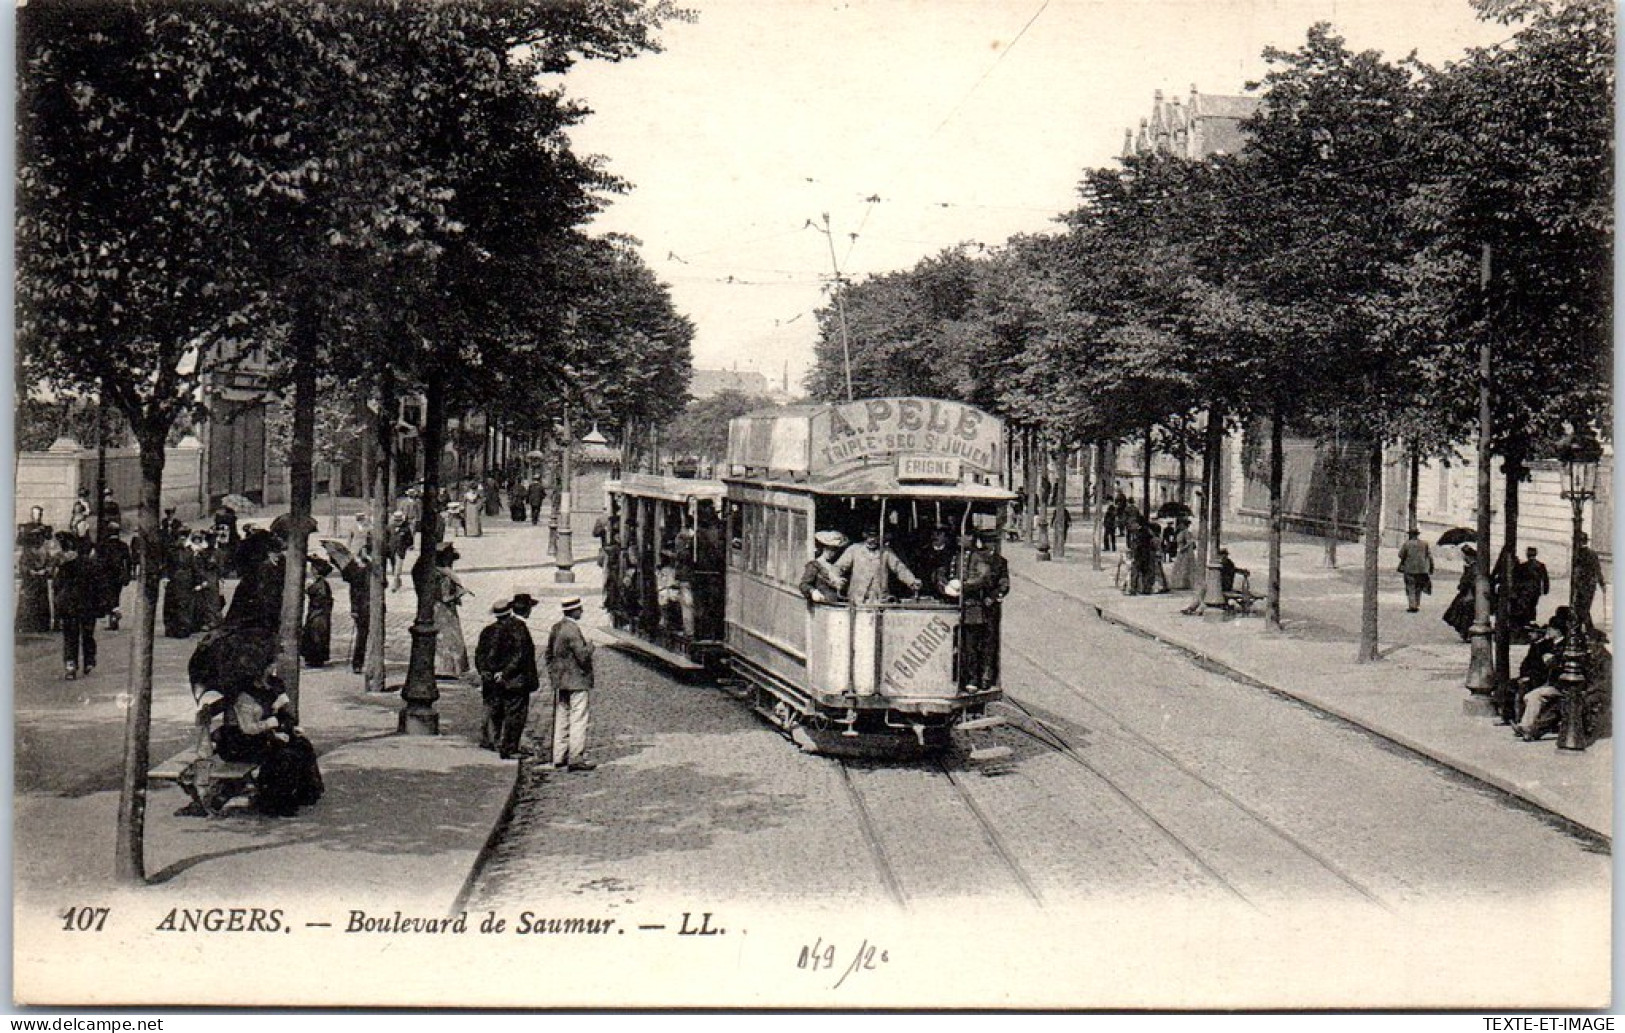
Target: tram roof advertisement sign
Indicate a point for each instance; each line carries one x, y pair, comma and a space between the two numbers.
912, 434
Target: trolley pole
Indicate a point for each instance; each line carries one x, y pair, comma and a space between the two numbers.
562, 554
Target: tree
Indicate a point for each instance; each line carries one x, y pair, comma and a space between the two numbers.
132, 260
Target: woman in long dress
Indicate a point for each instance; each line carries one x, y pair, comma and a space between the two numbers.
1463, 607
181, 592
450, 650
316, 637
1183, 576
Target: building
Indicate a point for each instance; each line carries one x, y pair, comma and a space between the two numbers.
1195, 128
708, 382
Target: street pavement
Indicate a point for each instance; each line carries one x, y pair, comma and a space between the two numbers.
1413, 696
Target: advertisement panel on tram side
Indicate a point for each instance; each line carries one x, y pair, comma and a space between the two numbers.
876, 429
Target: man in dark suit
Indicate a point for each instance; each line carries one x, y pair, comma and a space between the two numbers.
535, 495
1530, 581
505, 658
569, 667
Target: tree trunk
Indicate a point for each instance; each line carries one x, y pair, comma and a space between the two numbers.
129, 864
1145, 475
1415, 485
374, 671
418, 695
301, 493
1505, 698
1058, 518
1272, 601
1029, 487
1373, 546
1213, 507
1184, 462
1335, 470
1098, 490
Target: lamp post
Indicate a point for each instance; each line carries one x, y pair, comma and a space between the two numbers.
1580, 454
562, 554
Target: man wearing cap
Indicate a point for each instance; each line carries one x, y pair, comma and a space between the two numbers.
865, 569
1416, 566
505, 658
939, 562
819, 581
569, 667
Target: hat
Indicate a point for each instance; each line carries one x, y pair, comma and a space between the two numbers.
520, 597
447, 553
831, 539
572, 603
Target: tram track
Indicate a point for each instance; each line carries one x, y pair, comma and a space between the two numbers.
886, 861
1057, 742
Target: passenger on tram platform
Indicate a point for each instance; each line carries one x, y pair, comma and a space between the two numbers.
866, 567
938, 561
820, 582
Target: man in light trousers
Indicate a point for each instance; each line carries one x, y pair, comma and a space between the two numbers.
569, 667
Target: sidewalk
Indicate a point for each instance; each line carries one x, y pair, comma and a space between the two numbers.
1414, 696
404, 819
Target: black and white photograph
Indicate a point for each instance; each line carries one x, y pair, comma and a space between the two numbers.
813, 505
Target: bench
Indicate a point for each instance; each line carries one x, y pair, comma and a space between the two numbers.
211, 781
1241, 599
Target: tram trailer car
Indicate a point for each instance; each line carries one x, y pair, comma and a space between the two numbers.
858, 677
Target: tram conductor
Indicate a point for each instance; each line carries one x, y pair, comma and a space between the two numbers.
983, 581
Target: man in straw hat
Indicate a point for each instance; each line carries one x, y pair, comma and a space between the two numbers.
505, 658
569, 667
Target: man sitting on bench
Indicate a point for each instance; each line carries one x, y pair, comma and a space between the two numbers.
1228, 571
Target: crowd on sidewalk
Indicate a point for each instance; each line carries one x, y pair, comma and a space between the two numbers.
222, 583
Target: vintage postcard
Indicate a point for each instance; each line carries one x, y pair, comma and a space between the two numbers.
1036, 504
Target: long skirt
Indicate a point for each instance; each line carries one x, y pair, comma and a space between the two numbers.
1183, 575
34, 605
289, 776
1460, 613
316, 637
450, 650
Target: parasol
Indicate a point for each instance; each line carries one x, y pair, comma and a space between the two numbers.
1173, 508
1459, 536
279, 526
338, 552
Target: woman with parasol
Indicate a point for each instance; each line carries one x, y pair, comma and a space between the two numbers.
450, 650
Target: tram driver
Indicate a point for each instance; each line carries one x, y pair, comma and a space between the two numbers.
867, 570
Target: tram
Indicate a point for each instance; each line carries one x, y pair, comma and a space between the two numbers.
892, 669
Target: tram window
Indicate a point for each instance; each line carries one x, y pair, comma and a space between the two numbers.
798, 542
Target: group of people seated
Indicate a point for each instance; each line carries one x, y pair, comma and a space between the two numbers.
1540, 690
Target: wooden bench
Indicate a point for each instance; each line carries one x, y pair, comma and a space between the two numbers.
211, 781
1242, 599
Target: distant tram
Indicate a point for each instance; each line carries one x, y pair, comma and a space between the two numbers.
895, 671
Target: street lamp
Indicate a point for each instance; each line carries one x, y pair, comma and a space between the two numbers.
562, 554
1580, 454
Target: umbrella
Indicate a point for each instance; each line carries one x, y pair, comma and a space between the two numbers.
536, 454
338, 552
1459, 536
241, 503
232, 658
279, 526
1173, 508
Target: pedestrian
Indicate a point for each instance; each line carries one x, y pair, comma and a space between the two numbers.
1416, 566
181, 590
258, 598
1462, 609
1587, 579
356, 574
211, 605
516, 500
79, 515
1530, 581
1108, 528
35, 546
867, 569
505, 657
316, 637
569, 668
110, 511
450, 649
535, 495
77, 603
1183, 575
360, 533
400, 543
115, 571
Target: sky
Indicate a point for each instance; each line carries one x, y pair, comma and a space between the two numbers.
914, 125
